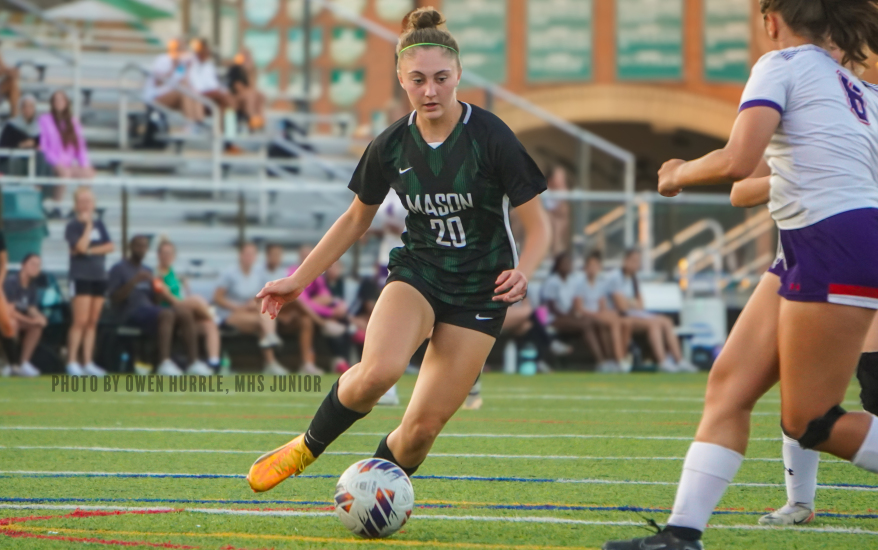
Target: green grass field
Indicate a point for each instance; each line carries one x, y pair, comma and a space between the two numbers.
558, 461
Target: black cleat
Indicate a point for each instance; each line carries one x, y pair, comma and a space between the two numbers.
663, 540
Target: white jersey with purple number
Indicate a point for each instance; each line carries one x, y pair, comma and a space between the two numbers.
824, 153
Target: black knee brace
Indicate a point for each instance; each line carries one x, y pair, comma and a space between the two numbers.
867, 374
818, 429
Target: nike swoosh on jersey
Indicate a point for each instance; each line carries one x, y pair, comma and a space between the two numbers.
401, 171
480, 318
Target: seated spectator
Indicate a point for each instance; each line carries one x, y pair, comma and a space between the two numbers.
559, 294
89, 243
625, 290
249, 101
135, 303
62, 143
167, 79
21, 292
293, 317
328, 312
20, 132
203, 77
9, 89
235, 297
592, 301
173, 293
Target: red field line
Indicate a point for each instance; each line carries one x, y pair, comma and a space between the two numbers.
90, 540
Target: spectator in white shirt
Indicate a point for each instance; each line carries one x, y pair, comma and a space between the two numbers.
235, 297
167, 79
203, 77
592, 301
559, 294
293, 318
627, 299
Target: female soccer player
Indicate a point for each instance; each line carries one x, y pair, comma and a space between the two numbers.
457, 170
800, 465
812, 119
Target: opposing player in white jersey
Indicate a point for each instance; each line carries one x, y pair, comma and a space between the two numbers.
812, 120
800, 465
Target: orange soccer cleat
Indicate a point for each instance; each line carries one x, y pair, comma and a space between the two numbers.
279, 464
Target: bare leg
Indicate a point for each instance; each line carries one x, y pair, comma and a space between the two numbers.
445, 379
30, 337
91, 330
820, 346
165, 331
401, 321
654, 332
211, 338
670, 336
306, 339
251, 322
186, 322
744, 371
81, 307
585, 327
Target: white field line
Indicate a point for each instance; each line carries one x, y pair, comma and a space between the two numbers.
440, 517
600, 410
500, 396
491, 408
364, 453
466, 478
360, 434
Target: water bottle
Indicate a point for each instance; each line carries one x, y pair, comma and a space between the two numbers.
124, 360
510, 357
225, 364
527, 360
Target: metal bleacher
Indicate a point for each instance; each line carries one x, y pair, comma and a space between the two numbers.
206, 200
190, 191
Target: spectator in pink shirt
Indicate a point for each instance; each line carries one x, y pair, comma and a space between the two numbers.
328, 312
62, 143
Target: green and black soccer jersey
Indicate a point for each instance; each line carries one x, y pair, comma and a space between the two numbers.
458, 196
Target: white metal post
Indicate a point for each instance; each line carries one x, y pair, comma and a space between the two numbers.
77, 76
629, 200
123, 121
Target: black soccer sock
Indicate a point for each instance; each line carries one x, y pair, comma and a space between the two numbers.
867, 374
684, 533
384, 452
331, 420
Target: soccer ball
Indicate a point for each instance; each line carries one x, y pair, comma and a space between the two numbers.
374, 498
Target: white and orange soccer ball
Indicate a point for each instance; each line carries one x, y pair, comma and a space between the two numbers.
374, 498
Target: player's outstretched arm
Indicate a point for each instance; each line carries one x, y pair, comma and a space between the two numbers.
753, 191
512, 284
734, 162
343, 233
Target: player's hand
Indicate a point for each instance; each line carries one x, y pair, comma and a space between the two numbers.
668, 186
276, 294
511, 287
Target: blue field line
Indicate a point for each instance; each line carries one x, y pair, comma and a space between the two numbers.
514, 507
